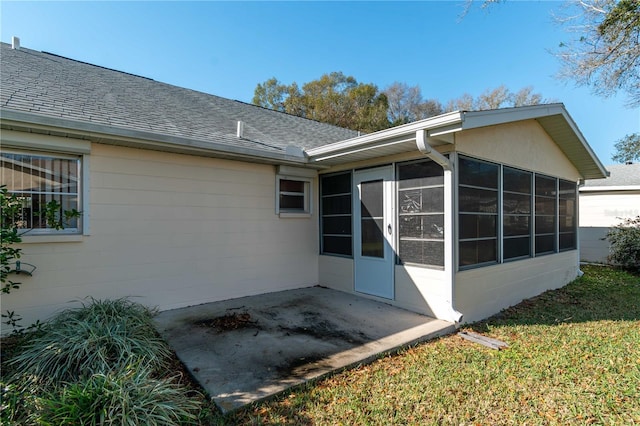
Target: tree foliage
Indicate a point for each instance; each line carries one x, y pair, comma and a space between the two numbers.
500, 97
605, 52
627, 149
625, 244
334, 98
406, 104
605, 55
338, 99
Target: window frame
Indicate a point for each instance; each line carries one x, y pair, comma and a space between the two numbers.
81, 170
574, 215
497, 215
530, 215
399, 215
306, 210
322, 216
533, 214
537, 215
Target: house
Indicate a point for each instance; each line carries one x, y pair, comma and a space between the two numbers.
605, 203
189, 198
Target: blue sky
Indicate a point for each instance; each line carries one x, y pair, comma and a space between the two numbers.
227, 48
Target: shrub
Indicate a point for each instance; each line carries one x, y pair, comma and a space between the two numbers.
103, 336
625, 244
131, 397
102, 363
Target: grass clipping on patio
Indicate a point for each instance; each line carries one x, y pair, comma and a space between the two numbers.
573, 358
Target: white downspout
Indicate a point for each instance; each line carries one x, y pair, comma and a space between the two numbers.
422, 141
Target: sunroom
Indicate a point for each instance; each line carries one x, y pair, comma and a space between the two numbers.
456, 216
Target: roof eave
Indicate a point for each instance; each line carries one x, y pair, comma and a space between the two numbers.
587, 163
113, 135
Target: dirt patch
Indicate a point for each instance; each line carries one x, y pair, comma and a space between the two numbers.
227, 322
325, 330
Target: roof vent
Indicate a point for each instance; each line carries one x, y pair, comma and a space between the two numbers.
240, 132
15, 43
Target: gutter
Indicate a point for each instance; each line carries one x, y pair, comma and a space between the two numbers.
422, 142
106, 134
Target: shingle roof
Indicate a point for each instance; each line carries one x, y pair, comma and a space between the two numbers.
54, 86
621, 175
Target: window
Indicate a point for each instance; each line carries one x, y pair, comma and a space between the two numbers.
567, 215
421, 213
545, 208
38, 179
538, 214
516, 213
293, 196
478, 212
335, 222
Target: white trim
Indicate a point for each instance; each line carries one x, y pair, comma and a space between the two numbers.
308, 197
38, 142
610, 188
85, 191
112, 135
297, 171
48, 234
52, 238
553, 118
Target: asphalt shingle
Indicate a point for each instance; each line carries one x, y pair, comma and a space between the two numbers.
621, 175
54, 86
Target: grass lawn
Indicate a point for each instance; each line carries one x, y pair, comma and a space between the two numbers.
573, 358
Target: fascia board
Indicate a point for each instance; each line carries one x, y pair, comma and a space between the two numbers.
476, 119
147, 140
387, 136
609, 188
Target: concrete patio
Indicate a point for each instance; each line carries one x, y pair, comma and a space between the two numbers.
244, 350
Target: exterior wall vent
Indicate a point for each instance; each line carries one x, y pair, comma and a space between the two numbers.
15, 43
240, 131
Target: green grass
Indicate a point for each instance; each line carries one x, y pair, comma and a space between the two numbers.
573, 358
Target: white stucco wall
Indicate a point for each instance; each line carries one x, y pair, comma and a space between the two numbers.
482, 292
599, 211
170, 231
594, 246
523, 144
608, 208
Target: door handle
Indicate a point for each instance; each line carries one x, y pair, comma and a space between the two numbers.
389, 229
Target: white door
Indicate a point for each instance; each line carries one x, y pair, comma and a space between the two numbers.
373, 231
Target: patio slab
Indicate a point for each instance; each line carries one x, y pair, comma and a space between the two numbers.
247, 349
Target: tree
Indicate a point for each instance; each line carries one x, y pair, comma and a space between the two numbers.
493, 98
606, 53
627, 149
525, 97
500, 97
334, 98
270, 94
406, 104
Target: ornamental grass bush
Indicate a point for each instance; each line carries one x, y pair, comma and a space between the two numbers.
102, 363
625, 244
99, 337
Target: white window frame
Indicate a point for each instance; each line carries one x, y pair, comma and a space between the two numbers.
307, 196
61, 147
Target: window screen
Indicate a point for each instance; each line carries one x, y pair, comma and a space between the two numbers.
421, 213
335, 225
